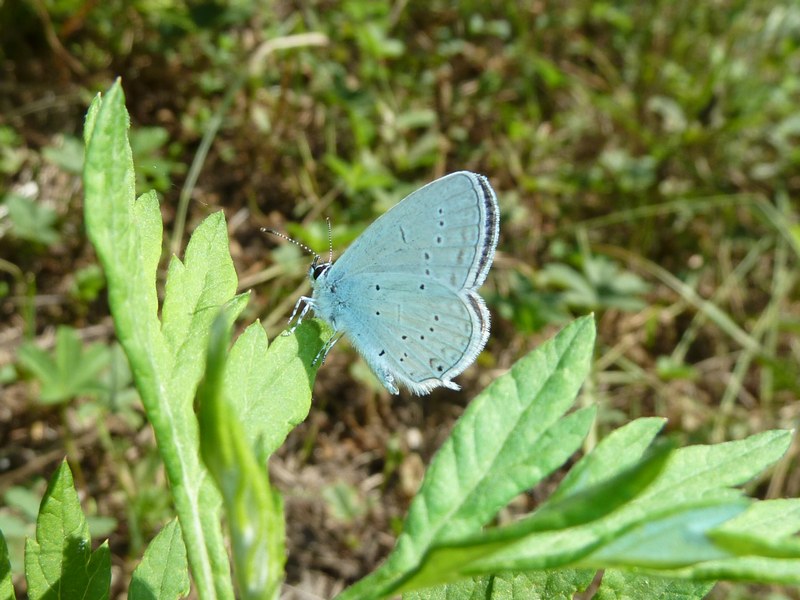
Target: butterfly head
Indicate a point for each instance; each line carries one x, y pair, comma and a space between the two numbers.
318, 269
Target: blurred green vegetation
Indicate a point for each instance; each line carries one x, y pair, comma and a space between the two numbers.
645, 156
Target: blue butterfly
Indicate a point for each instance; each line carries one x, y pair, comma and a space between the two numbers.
405, 292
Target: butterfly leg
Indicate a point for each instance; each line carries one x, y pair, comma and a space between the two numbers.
323, 353
308, 303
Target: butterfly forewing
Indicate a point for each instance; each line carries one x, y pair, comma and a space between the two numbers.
446, 230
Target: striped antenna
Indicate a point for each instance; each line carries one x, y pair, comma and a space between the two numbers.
330, 241
294, 241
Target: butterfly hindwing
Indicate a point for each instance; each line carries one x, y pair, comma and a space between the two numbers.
423, 336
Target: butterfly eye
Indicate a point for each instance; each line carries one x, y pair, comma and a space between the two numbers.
318, 270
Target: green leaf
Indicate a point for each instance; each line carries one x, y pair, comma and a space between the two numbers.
748, 568
765, 538
271, 387
606, 524
6, 584
91, 118
619, 451
541, 584
628, 502
479, 588
195, 290
59, 562
703, 470
72, 371
767, 528
125, 232
494, 452
675, 539
588, 504
537, 585
691, 493
624, 584
163, 571
469, 556
166, 359
254, 512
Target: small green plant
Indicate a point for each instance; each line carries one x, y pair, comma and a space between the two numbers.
18, 520
31, 221
559, 290
12, 151
599, 284
151, 155
343, 502
66, 154
671, 521
153, 159
88, 282
71, 370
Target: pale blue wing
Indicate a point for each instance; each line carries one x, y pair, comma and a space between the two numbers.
446, 230
420, 338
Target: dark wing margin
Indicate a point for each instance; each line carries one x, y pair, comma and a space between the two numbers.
490, 219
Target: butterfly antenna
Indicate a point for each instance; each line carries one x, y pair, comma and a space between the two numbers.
292, 240
330, 241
